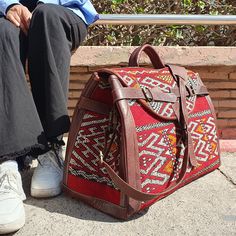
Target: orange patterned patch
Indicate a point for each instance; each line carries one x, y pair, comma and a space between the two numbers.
169, 167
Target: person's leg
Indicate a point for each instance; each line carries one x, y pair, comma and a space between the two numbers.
21, 131
20, 127
54, 32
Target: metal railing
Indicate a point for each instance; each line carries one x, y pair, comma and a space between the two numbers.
147, 19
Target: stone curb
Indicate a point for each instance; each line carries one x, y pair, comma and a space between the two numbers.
228, 145
184, 56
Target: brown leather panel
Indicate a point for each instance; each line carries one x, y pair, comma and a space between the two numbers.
189, 143
75, 125
180, 74
201, 90
107, 207
129, 152
177, 70
132, 93
93, 105
161, 96
175, 107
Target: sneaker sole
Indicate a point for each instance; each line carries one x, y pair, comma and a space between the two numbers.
44, 193
13, 226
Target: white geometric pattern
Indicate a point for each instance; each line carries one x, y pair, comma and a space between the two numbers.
153, 157
203, 132
90, 141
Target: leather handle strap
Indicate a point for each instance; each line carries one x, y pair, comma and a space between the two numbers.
155, 94
201, 90
141, 196
180, 73
93, 105
152, 54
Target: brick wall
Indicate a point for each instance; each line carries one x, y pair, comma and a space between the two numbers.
219, 79
221, 83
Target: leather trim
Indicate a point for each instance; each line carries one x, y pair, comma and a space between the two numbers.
201, 90
129, 146
104, 206
156, 94
180, 74
75, 125
133, 93
92, 105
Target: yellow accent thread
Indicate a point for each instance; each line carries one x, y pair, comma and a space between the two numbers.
213, 145
169, 167
200, 129
172, 138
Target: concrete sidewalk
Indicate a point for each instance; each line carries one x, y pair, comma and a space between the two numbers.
204, 207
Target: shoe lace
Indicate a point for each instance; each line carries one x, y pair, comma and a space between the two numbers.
46, 159
7, 181
56, 148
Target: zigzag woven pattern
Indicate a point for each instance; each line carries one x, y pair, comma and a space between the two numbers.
90, 141
161, 147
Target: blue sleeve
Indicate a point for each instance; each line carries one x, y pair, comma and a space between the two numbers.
50, 1
4, 4
65, 2
72, 2
83, 8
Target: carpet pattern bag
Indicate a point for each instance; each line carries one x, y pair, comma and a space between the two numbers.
139, 134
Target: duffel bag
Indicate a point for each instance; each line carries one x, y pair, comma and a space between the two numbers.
138, 134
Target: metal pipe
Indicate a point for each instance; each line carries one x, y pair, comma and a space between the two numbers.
147, 19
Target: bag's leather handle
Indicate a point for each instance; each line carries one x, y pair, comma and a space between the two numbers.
152, 54
181, 73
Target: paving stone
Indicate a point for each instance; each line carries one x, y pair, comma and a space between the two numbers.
206, 206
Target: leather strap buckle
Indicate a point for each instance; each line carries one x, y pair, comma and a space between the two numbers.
148, 94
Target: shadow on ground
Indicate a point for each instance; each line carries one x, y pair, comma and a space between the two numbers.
67, 205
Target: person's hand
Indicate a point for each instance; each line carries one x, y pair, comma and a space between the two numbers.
20, 16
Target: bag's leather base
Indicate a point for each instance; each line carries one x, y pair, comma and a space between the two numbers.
104, 206
120, 212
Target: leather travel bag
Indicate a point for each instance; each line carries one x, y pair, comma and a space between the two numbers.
138, 134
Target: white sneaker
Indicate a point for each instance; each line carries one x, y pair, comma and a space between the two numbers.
12, 212
47, 178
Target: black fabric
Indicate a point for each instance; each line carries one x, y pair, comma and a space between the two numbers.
30, 4
28, 123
